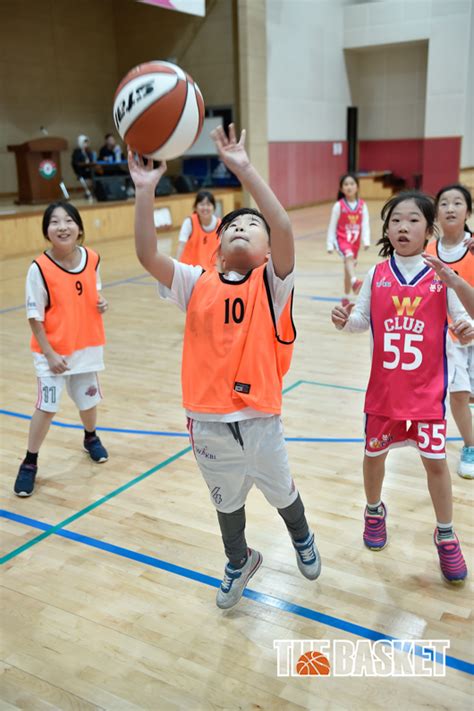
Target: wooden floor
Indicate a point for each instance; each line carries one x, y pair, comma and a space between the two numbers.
113, 607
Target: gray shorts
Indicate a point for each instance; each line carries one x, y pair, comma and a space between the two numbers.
230, 469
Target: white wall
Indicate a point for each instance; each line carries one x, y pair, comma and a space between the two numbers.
447, 26
467, 151
308, 90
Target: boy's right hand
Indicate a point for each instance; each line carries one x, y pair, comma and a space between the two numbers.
340, 315
144, 176
57, 363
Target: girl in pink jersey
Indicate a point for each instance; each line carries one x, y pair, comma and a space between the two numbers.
349, 225
406, 306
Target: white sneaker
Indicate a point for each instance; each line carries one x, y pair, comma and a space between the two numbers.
307, 557
466, 463
235, 580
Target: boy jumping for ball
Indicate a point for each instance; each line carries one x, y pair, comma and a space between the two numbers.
237, 347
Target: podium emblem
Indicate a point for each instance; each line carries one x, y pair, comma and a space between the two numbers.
48, 169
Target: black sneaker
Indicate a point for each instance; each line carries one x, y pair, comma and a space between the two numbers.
96, 449
25, 480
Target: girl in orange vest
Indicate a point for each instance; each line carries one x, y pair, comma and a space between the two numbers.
64, 309
464, 291
237, 347
198, 237
453, 208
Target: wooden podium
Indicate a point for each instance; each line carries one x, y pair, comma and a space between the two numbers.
39, 169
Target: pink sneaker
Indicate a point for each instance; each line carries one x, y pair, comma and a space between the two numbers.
356, 286
451, 560
375, 530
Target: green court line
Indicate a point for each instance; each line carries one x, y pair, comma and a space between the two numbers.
92, 506
292, 387
139, 478
330, 385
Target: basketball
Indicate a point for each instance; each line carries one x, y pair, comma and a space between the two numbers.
158, 110
313, 664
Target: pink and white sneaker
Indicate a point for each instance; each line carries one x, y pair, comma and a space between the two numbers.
375, 530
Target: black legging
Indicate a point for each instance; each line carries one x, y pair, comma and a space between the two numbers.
232, 527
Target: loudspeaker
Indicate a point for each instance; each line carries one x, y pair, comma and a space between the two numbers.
186, 184
352, 138
113, 187
165, 186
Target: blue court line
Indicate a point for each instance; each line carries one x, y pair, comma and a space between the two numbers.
262, 598
73, 426
159, 433
94, 505
12, 308
142, 276
130, 280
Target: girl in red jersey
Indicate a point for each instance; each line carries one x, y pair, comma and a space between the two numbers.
406, 306
64, 308
198, 239
453, 208
349, 225
237, 347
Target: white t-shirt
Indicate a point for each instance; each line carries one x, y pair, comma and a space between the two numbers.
187, 228
331, 242
86, 360
184, 279
452, 253
359, 320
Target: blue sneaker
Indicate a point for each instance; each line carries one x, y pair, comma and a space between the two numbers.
235, 580
25, 480
466, 463
96, 450
307, 557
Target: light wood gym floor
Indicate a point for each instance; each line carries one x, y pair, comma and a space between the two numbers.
113, 607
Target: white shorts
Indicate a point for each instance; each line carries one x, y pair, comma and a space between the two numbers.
230, 470
83, 389
462, 379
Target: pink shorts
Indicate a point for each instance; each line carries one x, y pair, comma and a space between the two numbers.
382, 433
348, 249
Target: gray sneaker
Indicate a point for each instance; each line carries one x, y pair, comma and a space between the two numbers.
235, 580
307, 557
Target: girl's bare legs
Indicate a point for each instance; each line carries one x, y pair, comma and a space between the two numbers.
374, 472
89, 418
349, 274
439, 486
462, 415
39, 426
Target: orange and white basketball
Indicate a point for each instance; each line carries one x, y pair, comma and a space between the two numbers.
158, 110
314, 664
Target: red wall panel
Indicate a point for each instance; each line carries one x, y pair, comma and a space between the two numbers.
305, 172
441, 162
437, 160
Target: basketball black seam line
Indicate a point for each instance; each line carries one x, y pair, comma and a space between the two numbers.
179, 118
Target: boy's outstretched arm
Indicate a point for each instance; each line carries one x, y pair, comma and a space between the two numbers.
234, 155
146, 178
